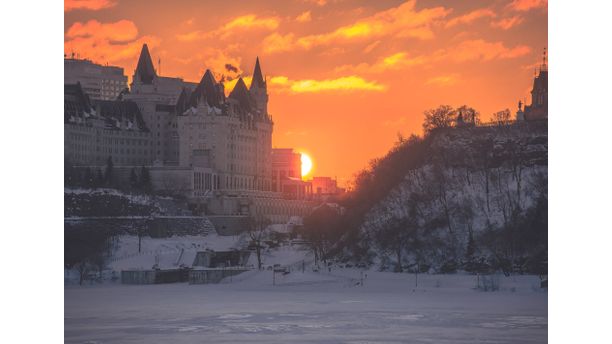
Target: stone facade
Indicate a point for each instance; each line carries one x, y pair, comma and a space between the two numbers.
229, 135
97, 130
195, 141
156, 97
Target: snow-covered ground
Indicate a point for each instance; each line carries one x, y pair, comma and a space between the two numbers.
310, 307
167, 250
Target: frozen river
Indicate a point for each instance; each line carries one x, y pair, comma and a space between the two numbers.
310, 308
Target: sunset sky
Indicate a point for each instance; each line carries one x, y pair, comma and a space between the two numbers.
344, 77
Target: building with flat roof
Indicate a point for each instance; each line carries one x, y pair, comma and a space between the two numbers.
287, 174
98, 81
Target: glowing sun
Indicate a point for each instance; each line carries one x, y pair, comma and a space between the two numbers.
306, 164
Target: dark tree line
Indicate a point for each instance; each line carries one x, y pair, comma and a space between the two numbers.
91, 177
87, 251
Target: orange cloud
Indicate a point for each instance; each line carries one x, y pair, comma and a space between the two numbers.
507, 23
251, 21
106, 42
317, 2
191, 36
304, 17
93, 5
482, 50
470, 17
371, 47
399, 60
220, 61
278, 43
399, 22
443, 80
246, 22
526, 5
123, 30
344, 84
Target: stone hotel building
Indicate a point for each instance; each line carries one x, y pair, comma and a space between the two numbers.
213, 148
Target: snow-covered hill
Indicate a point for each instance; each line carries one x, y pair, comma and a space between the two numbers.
477, 200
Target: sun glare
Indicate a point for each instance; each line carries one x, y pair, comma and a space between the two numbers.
306, 164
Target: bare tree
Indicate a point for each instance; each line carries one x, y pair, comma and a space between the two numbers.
469, 114
392, 238
258, 232
502, 117
83, 267
440, 117
321, 229
484, 163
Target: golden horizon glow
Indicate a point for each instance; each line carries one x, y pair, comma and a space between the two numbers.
306, 164
343, 77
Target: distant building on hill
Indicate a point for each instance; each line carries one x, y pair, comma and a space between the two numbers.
287, 174
539, 97
325, 187
98, 81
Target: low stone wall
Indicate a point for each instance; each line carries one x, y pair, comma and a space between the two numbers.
154, 276
158, 227
138, 277
208, 276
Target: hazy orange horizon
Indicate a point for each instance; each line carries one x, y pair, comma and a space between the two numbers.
345, 77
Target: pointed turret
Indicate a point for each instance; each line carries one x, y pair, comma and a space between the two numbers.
258, 80
145, 72
182, 102
242, 95
207, 90
259, 90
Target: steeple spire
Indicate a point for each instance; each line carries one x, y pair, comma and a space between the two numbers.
145, 71
258, 80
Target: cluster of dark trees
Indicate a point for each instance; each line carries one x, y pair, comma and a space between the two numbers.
88, 177
105, 205
87, 251
427, 199
445, 116
322, 230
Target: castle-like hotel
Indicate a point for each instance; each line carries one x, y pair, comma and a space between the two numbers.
216, 150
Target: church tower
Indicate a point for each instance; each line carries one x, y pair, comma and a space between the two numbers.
259, 90
538, 109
